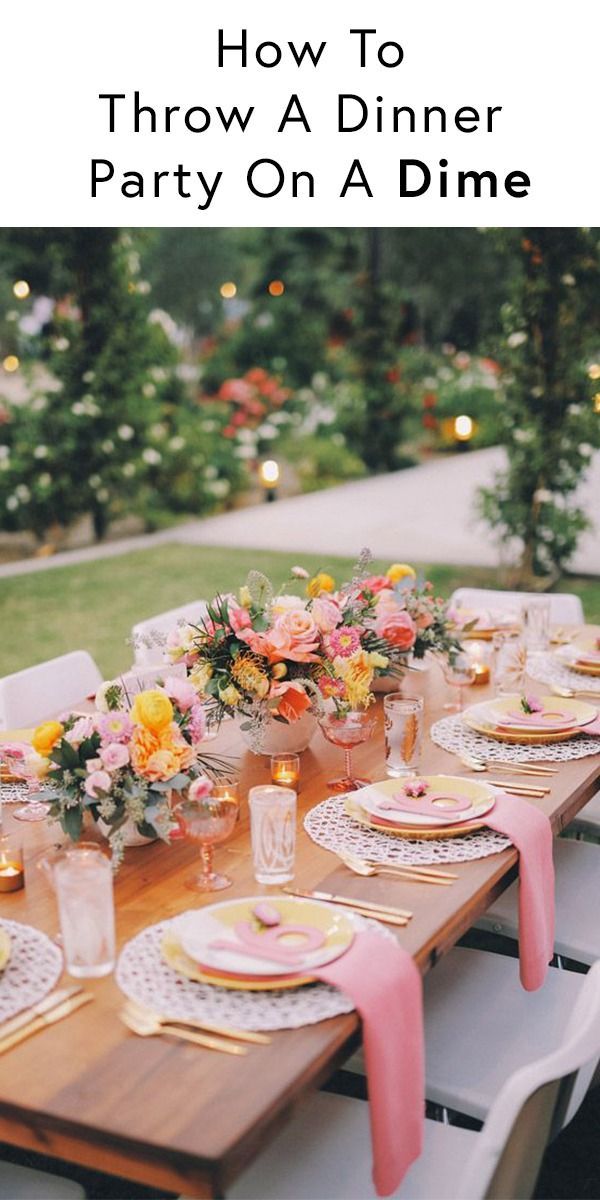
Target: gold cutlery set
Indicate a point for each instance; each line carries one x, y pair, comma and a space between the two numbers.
55, 1007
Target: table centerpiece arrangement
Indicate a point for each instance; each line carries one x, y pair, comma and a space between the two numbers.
124, 762
277, 661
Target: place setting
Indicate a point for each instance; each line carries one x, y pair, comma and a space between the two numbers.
521, 728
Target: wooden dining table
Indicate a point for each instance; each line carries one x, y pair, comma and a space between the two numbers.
188, 1120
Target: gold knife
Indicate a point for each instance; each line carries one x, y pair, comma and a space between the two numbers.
381, 910
43, 1022
37, 1010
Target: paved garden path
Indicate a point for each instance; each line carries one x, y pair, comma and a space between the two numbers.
423, 514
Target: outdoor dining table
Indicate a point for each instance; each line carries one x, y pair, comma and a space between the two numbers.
187, 1120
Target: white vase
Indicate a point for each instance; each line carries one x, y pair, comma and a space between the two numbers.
279, 737
131, 834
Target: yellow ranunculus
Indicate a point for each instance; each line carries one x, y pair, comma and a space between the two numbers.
46, 736
320, 583
153, 710
399, 571
245, 597
230, 696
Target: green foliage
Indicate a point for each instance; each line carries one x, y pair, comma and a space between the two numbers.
549, 424
114, 431
322, 461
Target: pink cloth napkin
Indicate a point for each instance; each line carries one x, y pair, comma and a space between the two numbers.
385, 985
530, 831
593, 727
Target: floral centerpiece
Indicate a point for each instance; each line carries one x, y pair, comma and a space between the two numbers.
122, 762
267, 656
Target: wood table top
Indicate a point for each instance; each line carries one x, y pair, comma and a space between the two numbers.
180, 1118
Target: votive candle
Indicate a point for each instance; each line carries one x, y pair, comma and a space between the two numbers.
285, 770
12, 875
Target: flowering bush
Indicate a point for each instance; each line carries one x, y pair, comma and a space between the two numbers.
269, 655
121, 762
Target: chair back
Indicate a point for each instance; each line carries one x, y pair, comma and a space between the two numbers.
30, 696
533, 1104
149, 636
565, 608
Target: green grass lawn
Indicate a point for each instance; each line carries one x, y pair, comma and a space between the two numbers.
92, 606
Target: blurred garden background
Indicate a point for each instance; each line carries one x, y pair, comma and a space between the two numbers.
151, 378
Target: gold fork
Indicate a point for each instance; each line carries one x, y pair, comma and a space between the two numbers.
140, 1011
147, 1027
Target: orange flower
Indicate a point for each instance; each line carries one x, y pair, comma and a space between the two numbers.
293, 703
143, 745
161, 765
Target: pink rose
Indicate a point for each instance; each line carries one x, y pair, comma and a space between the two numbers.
93, 764
326, 613
375, 584
114, 756
424, 619
200, 788
83, 728
98, 781
298, 635
181, 691
396, 627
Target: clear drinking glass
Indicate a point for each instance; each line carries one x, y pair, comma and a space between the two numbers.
536, 623
403, 726
83, 880
349, 731
510, 662
209, 820
273, 833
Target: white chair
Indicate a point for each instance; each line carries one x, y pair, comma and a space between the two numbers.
149, 636
326, 1152
565, 608
38, 692
474, 1001
587, 820
577, 933
25, 1183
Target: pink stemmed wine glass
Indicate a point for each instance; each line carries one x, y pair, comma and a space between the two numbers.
208, 820
22, 771
459, 674
347, 731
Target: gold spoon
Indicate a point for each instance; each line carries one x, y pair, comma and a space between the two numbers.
570, 693
415, 874
148, 1027
141, 1013
481, 764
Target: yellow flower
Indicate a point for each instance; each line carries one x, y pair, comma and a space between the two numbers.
357, 674
245, 597
250, 676
320, 583
230, 696
399, 571
153, 710
200, 675
278, 671
46, 736
379, 660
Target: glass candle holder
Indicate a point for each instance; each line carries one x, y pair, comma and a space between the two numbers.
12, 872
285, 770
479, 655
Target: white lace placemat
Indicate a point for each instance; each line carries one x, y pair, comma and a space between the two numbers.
453, 735
143, 975
32, 970
547, 668
329, 825
14, 793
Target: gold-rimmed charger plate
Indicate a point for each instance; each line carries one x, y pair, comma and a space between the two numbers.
413, 832
175, 957
4, 948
